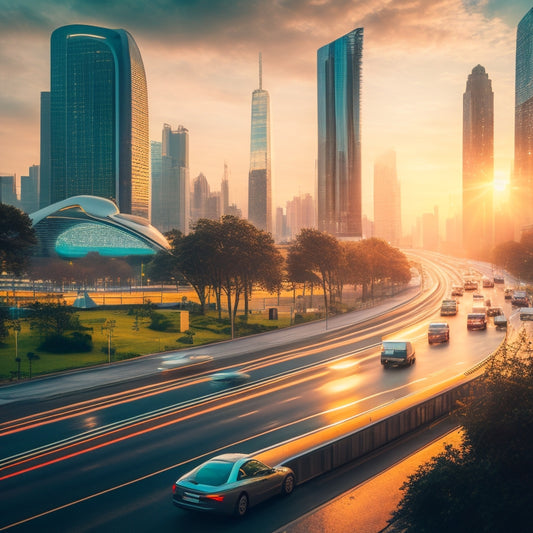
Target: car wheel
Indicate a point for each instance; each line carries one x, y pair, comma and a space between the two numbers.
288, 485
242, 505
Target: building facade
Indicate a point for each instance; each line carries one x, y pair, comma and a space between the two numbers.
387, 199
522, 179
170, 181
339, 136
259, 177
44, 164
478, 164
99, 141
29, 190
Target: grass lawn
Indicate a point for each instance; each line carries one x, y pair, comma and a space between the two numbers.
130, 337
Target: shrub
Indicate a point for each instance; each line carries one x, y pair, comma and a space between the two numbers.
75, 342
160, 322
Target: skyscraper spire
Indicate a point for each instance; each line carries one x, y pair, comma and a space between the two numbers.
260, 72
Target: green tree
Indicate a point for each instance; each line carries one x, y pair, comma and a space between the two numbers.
320, 256
485, 484
52, 318
17, 239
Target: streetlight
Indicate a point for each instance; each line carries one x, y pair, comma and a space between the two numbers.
110, 326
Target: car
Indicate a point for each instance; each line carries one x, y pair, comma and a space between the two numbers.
508, 293
230, 377
457, 290
494, 311
520, 299
230, 484
498, 278
172, 362
397, 353
487, 282
438, 332
476, 321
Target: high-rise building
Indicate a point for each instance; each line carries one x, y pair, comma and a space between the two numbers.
200, 197
155, 181
300, 214
29, 190
170, 181
339, 135
387, 200
478, 164
259, 180
99, 141
224, 191
8, 189
44, 166
522, 179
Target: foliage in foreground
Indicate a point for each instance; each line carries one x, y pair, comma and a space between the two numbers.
485, 484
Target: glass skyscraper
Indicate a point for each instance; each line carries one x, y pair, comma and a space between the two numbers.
170, 181
522, 181
339, 135
478, 164
259, 181
387, 199
99, 142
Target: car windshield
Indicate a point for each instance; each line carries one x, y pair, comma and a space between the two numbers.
213, 473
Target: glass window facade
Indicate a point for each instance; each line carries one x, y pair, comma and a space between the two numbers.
99, 118
259, 178
339, 135
522, 180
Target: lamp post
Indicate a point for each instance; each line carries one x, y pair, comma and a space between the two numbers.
110, 326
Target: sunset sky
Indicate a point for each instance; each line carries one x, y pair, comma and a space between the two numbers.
201, 62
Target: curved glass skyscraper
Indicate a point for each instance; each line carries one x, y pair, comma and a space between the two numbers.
259, 181
522, 183
339, 135
99, 142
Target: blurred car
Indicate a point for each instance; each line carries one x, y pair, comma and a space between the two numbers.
508, 293
457, 290
498, 278
487, 282
231, 484
172, 362
494, 311
230, 377
438, 332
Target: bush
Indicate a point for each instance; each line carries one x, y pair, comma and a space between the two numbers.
187, 338
75, 342
161, 323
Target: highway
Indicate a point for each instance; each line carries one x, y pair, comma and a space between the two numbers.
105, 459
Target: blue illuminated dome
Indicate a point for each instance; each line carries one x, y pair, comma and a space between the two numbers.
74, 227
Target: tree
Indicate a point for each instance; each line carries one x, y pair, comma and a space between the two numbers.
485, 484
320, 256
52, 318
17, 239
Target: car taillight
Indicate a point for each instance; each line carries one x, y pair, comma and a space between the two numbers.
174, 488
215, 497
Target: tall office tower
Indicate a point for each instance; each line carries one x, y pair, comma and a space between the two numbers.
170, 188
155, 182
99, 141
259, 180
8, 189
44, 165
387, 199
29, 190
339, 135
200, 197
478, 164
300, 214
224, 191
522, 179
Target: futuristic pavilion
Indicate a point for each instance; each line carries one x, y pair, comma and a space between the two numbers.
74, 227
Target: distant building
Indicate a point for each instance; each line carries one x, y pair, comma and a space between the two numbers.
478, 164
387, 199
204, 203
170, 183
155, 182
300, 214
99, 141
430, 230
8, 190
79, 225
280, 226
259, 179
224, 191
339, 135
29, 190
522, 179
44, 165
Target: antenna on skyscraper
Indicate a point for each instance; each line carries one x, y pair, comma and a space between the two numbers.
260, 72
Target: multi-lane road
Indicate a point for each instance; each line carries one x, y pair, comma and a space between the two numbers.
105, 459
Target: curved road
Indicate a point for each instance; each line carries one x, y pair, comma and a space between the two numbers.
105, 461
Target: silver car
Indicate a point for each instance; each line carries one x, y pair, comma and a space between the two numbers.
231, 484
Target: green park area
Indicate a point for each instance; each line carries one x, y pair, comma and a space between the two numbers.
118, 334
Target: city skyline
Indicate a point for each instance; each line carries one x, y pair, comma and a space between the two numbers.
201, 67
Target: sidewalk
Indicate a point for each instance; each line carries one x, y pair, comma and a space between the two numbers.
367, 507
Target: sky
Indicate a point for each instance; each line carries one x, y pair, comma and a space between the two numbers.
201, 63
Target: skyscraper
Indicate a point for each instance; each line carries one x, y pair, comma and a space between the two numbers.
387, 201
44, 166
339, 135
259, 185
478, 163
170, 182
522, 179
99, 118
224, 191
